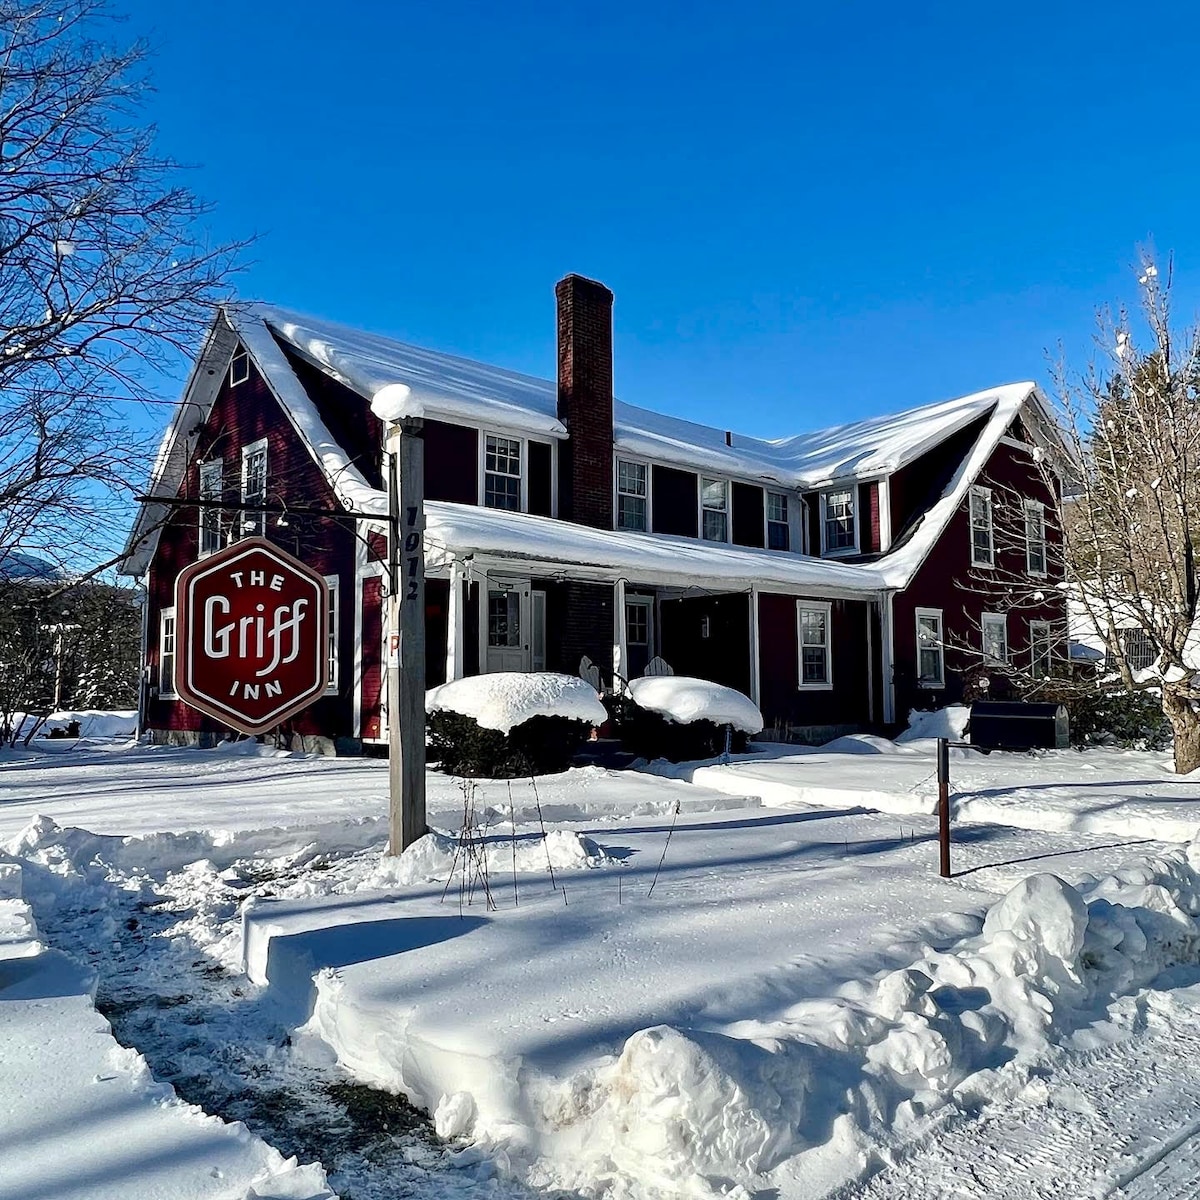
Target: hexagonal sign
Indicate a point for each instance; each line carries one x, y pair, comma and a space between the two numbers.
253, 635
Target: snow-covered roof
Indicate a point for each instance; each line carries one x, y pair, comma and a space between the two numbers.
452, 388
456, 530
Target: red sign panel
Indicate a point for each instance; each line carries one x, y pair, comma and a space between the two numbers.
253, 645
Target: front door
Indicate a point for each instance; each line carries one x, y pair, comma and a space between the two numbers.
508, 625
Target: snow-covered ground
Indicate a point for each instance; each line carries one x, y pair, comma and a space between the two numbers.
751, 978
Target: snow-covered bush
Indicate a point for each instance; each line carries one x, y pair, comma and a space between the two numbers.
1111, 717
680, 718
510, 723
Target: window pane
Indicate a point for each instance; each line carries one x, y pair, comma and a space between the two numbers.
839, 519
503, 455
812, 627
637, 624
631, 478
504, 619
813, 663
777, 507
631, 512
714, 526
713, 493
995, 639
778, 536
502, 491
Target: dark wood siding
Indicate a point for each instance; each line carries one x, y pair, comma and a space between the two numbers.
676, 501
242, 414
749, 518
724, 654
451, 463
947, 581
782, 701
539, 478
868, 518
437, 625
371, 698
915, 487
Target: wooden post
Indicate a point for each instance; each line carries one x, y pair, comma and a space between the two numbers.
943, 778
406, 634
755, 685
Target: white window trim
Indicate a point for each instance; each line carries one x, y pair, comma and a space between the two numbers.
168, 614
994, 619
1038, 507
333, 583
649, 469
977, 490
790, 498
219, 463
239, 367
843, 551
247, 450
934, 614
523, 442
826, 608
700, 478
1045, 629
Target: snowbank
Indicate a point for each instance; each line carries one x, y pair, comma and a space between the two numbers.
93, 722
505, 699
942, 723
683, 700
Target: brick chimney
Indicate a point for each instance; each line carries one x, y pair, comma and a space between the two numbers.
585, 401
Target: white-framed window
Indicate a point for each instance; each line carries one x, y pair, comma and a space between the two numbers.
983, 547
1041, 649
1035, 537
502, 474
166, 654
633, 492
839, 521
239, 368
931, 649
332, 582
813, 634
714, 509
994, 627
212, 487
779, 530
639, 621
254, 487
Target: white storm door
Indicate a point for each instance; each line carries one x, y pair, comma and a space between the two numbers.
509, 624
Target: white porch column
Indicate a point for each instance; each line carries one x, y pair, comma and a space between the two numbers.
887, 656
755, 688
620, 660
454, 622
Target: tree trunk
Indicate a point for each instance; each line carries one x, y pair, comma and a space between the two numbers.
1185, 722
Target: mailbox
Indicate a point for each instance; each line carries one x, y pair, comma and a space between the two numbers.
997, 725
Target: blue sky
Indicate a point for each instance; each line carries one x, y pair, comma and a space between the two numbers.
807, 213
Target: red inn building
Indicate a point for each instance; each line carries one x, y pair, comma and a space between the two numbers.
839, 578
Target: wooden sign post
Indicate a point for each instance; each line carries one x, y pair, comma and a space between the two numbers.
406, 633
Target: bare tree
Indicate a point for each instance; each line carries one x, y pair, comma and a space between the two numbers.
1130, 525
104, 279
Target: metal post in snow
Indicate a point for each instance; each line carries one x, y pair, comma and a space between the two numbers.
406, 634
943, 778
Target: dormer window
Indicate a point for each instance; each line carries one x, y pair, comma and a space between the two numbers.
502, 473
779, 535
714, 505
239, 368
631, 495
839, 522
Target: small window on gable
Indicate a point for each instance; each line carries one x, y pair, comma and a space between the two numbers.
779, 535
839, 526
502, 472
239, 368
816, 661
1035, 538
983, 549
714, 505
994, 627
212, 488
931, 652
254, 488
631, 495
